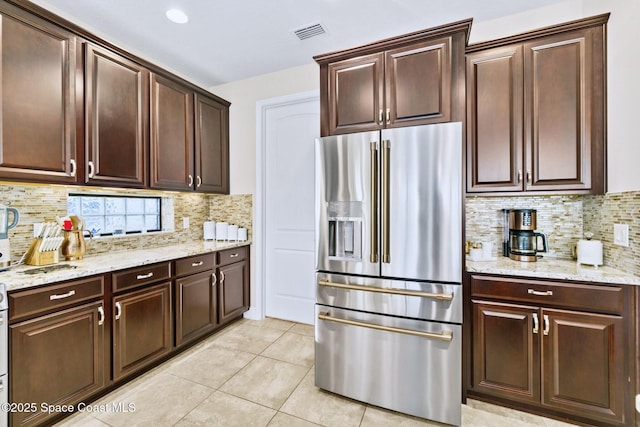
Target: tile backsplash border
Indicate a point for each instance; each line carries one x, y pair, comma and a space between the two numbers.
40, 203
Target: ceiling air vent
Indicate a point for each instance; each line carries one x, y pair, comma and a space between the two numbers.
309, 31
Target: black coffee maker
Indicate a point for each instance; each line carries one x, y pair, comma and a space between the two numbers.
522, 240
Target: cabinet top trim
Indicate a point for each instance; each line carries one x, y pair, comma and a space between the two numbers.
591, 21
393, 42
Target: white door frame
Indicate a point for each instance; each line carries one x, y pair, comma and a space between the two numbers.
257, 312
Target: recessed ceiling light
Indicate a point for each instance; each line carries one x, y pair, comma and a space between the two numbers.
177, 16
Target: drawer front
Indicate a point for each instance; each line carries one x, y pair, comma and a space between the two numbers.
195, 264
28, 303
595, 298
230, 256
139, 276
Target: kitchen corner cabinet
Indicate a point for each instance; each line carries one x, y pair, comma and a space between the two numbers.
142, 322
117, 119
233, 279
38, 70
559, 348
58, 346
408, 80
196, 297
536, 111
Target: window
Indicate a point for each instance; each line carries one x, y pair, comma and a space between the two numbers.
115, 215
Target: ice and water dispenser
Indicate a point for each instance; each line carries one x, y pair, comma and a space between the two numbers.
345, 230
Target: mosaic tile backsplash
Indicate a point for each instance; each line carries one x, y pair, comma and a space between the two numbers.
565, 219
40, 203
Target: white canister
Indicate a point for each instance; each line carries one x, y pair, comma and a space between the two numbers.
221, 230
590, 252
487, 250
209, 230
242, 234
232, 233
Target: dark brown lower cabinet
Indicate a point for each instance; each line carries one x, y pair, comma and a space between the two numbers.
141, 328
196, 306
57, 359
543, 357
234, 290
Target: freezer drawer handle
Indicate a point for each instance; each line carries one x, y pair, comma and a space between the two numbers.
395, 291
540, 293
444, 336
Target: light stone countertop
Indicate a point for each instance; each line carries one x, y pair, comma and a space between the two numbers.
552, 268
16, 278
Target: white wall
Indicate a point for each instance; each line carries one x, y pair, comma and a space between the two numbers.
623, 88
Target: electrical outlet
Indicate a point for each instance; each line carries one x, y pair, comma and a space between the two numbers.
185, 222
621, 234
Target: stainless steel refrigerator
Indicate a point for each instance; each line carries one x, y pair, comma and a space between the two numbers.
389, 268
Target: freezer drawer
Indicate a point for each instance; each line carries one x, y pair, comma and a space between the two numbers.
405, 365
419, 300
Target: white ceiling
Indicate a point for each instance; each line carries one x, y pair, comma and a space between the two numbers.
227, 40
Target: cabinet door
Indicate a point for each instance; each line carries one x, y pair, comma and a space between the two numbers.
583, 364
117, 119
196, 306
494, 120
212, 145
38, 110
558, 107
171, 135
356, 94
506, 351
141, 328
234, 290
418, 84
56, 359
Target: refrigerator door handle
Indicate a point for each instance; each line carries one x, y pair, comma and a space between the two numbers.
373, 232
395, 291
386, 253
444, 336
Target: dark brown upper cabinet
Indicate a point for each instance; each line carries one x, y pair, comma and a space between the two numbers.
413, 79
117, 119
536, 112
172, 149
211, 145
39, 66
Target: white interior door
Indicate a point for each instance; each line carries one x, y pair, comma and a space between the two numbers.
289, 262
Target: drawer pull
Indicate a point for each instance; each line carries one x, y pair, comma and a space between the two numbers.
62, 296
101, 316
197, 264
118, 310
444, 336
536, 325
540, 293
395, 291
234, 255
144, 276
546, 325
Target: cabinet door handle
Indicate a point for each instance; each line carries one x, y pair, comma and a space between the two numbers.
62, 296
197, 264
73, 167
540, 293
535, 323
101, 316
519, 175
198, 181
388, 115
118, 311
546, 325
214, 279
144, 276
91, 169
221, 278
190, 184
529, 177
380, 118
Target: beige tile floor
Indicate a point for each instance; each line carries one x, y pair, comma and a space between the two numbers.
258, 373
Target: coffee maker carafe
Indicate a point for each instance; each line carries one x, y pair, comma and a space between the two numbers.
5, 248
523, 240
